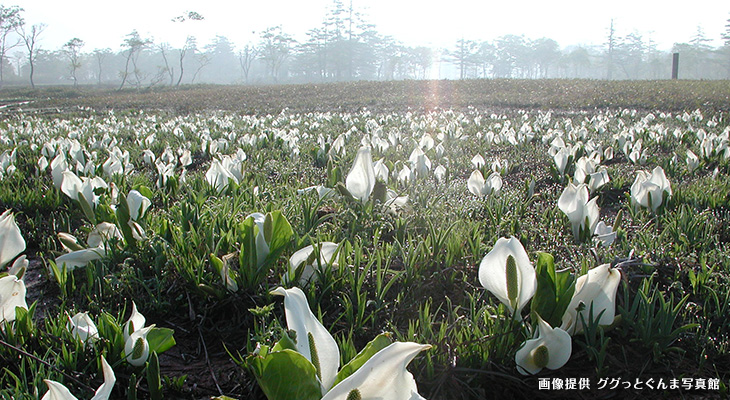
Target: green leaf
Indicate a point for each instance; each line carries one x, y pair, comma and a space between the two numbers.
160, 339
247, 258
379, 343
285, 375
344, 192
86, 208
145, 191
216, 263
154, 383
288, 341
123, 222
554, 290
281, 232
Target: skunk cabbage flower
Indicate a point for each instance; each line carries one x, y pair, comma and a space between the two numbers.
583, 168
11, 240
306, 257
478, 161
598, 179
693, 162
218, 176
314, 342
440, 173
550, 349
262, 247
507, 273
405, 175
12, 294
648, 190
82, 190
148, 157
323, 192
561, 159
383, 376
604, 234
582, 213
135, 322
481, 187
137, 348
82, 327
80, 258
395, 202
57, 391
73, 187
597, 290
58, 166
101, 234
20, 265
420, 162
360, 181
381, 171
138, 205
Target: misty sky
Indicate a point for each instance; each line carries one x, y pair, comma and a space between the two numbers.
415, 22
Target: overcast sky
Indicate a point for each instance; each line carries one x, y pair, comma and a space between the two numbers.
104, 23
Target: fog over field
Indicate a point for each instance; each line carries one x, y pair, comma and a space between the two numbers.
142, 44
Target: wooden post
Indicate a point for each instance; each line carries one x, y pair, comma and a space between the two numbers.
675, 65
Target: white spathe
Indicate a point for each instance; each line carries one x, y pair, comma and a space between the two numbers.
218, 176
300, 319
360, 181
135, 322
580, 211
493, 274
73, 186
384, 376
551, 349
327, 251
11, 240
138, 205
137, 348
80, 258
597, 290
481, 187
82, 327
12, 294
650, 186
604, 234
262, 247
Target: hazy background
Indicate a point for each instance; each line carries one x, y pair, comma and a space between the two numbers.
332, 40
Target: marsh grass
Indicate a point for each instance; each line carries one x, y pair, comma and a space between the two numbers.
411, 271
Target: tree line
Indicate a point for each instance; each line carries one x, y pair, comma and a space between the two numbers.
344, 47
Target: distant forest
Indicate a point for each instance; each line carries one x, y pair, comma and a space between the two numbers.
344, 47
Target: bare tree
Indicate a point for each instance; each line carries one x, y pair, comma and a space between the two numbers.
203, 59
30, 39
610, 47
190, 45
134, 45
10, 21
246, 58
167, 69
100, 55
72, 49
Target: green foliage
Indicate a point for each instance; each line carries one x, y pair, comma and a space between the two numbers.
652, 319
410, 270
554, 290
284, 374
